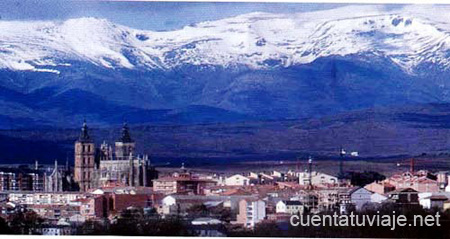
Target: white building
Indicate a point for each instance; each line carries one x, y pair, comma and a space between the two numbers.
178, 203
62, 228
276, 174
433, 200
291, 207
377, 198
447, 188
316, 178
208, 227
57, 231
360, 196
252, 175
237, 180
251, 212
354, 197
206, 221
42, 198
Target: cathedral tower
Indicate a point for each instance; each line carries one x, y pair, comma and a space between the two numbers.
125, 145
85, 160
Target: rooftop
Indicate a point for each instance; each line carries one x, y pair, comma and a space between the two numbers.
293, 203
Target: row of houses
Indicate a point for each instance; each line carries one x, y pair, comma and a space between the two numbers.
421, 181
273, 177
79, 207
249, 199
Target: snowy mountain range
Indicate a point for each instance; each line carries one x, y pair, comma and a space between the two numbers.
256, 40
257, 65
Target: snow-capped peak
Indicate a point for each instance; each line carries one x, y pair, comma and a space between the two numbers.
257, 40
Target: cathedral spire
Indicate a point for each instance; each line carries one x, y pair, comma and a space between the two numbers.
125, 138
84, 136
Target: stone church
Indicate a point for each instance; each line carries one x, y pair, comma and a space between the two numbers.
59, 180
105, 165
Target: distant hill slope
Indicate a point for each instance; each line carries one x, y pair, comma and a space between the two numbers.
378, 132
194, 95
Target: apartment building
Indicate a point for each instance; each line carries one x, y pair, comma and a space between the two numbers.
251, 212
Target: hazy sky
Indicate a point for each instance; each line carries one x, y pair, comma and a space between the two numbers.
143, 15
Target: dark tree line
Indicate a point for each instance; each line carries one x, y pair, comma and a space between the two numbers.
272, 229
134, 222
363, 178
21, 222
200, 210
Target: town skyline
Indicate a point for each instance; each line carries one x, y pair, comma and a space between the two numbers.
138, 118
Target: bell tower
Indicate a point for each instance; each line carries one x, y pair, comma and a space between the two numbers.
125, 145
84, 160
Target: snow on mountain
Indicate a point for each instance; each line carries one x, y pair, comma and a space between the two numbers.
409, 37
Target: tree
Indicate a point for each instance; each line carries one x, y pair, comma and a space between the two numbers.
4, 228
364, 178
134, 222
91, 227
26, 222
224, 213
267, 229
128, 223
198, 210
174, 226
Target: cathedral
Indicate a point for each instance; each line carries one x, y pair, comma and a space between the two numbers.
58, 180
105, 165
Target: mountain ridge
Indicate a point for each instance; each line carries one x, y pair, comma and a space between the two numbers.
257, 40
259, 66
327, 86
